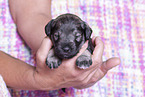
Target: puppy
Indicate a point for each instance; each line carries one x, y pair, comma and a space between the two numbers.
68, 33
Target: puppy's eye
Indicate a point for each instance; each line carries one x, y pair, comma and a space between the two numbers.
56, 36
78, 37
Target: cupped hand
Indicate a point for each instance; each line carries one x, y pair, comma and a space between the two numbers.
68, 74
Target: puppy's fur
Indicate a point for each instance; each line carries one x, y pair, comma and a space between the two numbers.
68, 33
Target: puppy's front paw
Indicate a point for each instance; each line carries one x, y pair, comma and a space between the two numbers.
53, 62
83, 61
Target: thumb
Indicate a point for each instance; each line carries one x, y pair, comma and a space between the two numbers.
42, 52
83, 48
109, 64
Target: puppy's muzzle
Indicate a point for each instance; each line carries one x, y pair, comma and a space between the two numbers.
66, 49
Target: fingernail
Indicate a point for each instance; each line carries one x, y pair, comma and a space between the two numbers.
98, 38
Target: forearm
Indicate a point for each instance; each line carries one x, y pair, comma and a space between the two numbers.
30, 17
32, 32
16, 73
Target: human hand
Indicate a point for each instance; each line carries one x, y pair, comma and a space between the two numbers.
68, 75
99, 68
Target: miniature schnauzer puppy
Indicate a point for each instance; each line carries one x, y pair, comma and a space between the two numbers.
68, 33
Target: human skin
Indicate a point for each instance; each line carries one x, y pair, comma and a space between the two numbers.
30, 17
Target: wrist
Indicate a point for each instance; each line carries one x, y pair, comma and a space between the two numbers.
27, 80
30, 79
41, 82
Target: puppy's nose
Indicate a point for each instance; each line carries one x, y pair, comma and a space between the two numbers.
66, 49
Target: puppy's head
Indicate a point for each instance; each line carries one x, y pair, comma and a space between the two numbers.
68, 33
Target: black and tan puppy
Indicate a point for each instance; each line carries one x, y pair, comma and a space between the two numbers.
68, 33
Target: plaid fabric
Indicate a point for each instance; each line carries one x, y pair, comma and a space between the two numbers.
3, 89
120, 24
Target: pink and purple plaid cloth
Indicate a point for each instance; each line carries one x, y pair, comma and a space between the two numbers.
120, 24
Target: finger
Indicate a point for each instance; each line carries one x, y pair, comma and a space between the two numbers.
73, 60
43, 50
83, 48
87, 80
98, 50
109, 64
84, 87
96, 75
93, 39
100, 73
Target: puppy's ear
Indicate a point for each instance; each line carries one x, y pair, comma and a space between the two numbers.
88, 30
48, 27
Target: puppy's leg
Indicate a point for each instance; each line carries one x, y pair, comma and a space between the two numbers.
52, 61
84, 60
